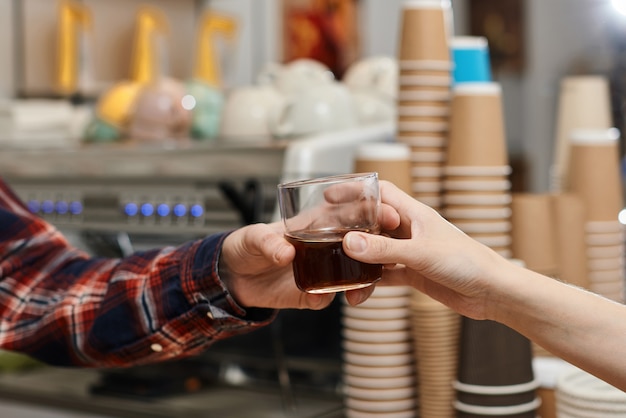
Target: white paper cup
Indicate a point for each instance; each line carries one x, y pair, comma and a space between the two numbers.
353, 413
428, 156
377, 348
417, 140
379, 394
381, 406
426, 172
388, 372
379, 382
500, 213
486, 185
501, 170
378, 360
609, 238
604, 226
410, 126
426, 186
376, 337
472, 227
373, 313
443, 111
606, 251
477, 199
425, 80
425, 65
499, 240
426, 96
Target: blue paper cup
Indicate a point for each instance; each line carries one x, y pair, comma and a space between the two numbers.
470, 55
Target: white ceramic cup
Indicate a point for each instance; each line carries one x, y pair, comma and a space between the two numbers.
247, 111
319, 108
296, 76
379, 73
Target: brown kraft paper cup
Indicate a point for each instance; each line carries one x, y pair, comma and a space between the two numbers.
392, 162
476, 126
533, 232
424, 33
595, 173
569, 214
493, 355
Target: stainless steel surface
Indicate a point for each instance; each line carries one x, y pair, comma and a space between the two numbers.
104, 179
68, 389
127, 161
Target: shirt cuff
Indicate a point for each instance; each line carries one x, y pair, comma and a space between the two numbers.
205, 289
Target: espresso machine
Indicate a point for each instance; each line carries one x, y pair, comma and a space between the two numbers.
113, 199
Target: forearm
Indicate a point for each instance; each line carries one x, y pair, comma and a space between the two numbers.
584, 329
65, 308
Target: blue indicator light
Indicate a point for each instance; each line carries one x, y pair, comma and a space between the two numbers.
196, 211
33, 206
147, 209
62, 207
47, 206
180, 210
76, 208
163, 209
131, 209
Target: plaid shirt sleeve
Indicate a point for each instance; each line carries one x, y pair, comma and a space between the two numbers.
66, 308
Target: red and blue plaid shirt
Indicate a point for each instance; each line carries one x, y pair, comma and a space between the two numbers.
67, 308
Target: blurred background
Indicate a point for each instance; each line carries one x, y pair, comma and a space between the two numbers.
132, 124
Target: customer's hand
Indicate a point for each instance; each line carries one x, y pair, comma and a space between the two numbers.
432, 256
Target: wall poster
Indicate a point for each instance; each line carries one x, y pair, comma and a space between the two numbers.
324, 30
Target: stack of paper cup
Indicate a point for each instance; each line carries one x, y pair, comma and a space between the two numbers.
580, 394
477, 193
584, 103
436, 331
379, 372
595, 177
548, 235
424, 92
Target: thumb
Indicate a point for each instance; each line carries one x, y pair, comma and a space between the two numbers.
375, 249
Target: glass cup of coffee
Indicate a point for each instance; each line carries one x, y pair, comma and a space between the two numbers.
317, 213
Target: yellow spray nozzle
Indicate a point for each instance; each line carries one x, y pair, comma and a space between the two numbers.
149, 23
71, 17
207, 67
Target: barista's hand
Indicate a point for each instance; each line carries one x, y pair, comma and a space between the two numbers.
256, 265
432, 255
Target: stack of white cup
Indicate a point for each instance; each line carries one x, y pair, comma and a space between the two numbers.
582, 395
378, 362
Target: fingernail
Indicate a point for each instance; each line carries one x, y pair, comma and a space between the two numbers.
356, 243
361, 297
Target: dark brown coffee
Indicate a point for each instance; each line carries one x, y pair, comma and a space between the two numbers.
321, 266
